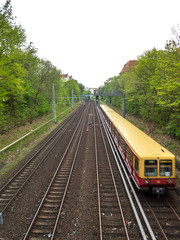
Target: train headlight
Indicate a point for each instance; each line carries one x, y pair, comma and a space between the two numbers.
169, 180
147, 181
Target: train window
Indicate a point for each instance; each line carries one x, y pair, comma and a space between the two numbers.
150, 168
116, 132
120, 139
112, 128
137, 165
129, 154
123, 146
122, 143
165, 168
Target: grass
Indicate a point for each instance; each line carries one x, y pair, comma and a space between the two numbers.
13, 155
14, 134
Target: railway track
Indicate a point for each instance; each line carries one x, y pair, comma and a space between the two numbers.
13, 187
112, 221
145, 229
90, 186
46, 218
165, 219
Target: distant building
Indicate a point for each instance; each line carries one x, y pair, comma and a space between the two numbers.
66, 77
128, 65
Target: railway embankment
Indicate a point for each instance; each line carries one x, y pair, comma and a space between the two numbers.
14, 155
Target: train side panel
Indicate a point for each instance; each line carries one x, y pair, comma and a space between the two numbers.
155, 170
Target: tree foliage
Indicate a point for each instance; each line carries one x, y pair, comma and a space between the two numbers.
25, 80
152, 88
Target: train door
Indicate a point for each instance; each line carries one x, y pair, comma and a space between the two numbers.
136, 164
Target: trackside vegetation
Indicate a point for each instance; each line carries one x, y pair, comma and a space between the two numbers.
152, 88
25, 79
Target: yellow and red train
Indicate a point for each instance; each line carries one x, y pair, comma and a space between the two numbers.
151, 166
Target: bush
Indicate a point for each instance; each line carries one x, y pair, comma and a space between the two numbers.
173, 129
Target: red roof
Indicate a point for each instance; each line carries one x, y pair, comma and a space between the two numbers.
64, 75
128, 65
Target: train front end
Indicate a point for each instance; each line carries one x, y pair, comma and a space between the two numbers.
157, 175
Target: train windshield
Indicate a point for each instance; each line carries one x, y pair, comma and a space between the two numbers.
165, 168
150, 168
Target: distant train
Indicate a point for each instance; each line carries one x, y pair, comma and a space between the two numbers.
151, 166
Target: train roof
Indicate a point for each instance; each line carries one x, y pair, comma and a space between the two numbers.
142, 144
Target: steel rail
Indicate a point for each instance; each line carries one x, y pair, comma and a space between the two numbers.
117, 156
154, 215
67, 185
172, 209
39, 150
37, 166
115, 186
97, 179
124, 181
55, 174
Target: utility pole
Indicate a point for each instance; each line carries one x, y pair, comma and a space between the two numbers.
72, 100
53, 103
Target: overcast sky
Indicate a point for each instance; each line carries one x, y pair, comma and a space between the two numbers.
93, 39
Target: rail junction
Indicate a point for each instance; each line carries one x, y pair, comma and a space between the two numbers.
75, 186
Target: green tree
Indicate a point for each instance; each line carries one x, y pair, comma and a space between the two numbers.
25, 80
167, 84
81, 87
72, 85
12, 38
